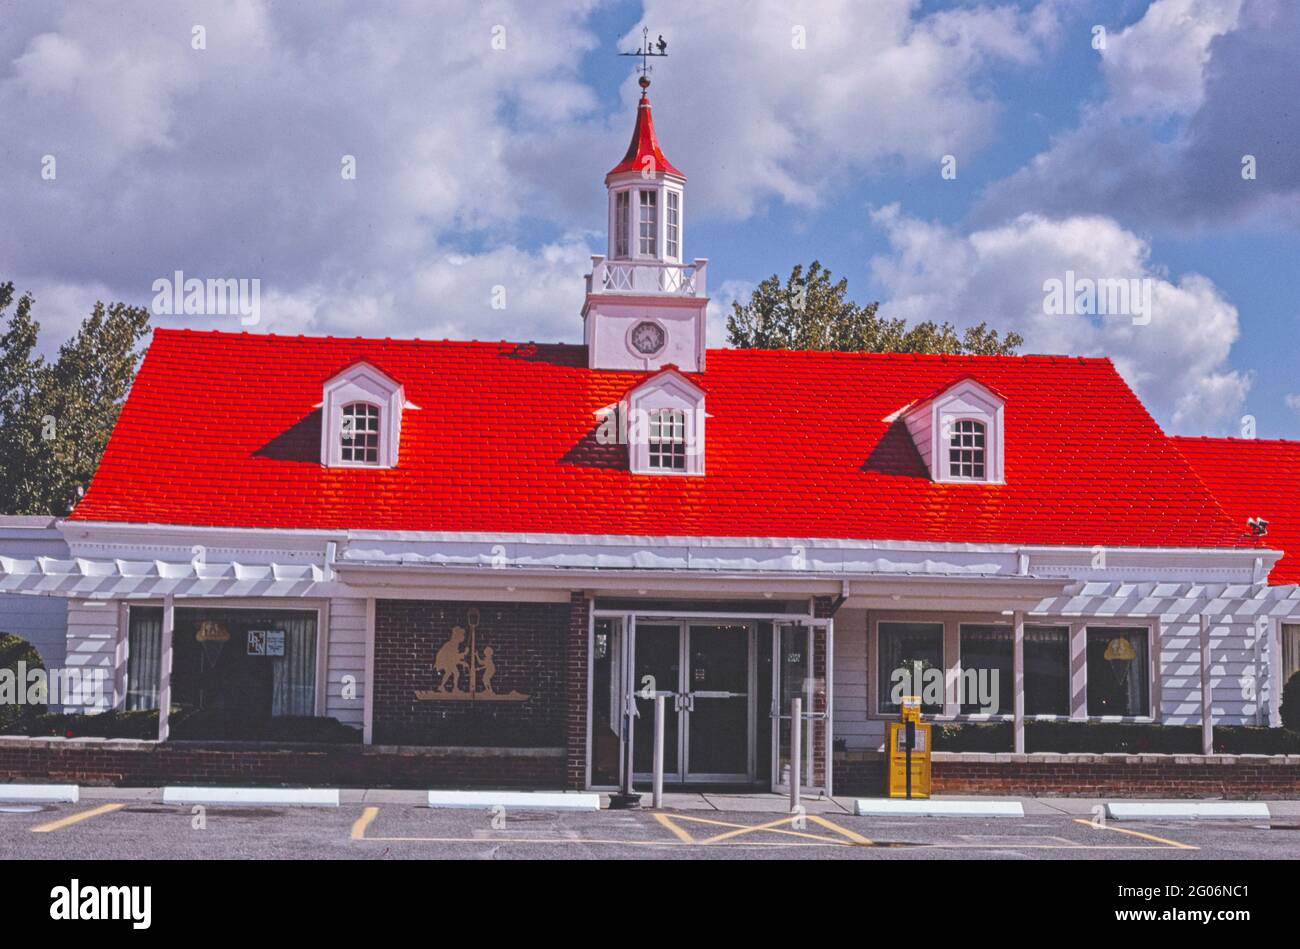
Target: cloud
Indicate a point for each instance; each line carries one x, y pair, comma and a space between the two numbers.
1194, 88
787, 102
1157, 65
1178, 362
227, 161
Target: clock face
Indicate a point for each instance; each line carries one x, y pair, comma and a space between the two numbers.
648, 338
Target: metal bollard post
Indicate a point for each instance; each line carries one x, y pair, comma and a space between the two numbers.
659, 752
796, 750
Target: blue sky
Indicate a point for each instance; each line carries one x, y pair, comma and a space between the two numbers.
481, 166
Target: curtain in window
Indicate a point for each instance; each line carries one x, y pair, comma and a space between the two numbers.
144, 657
293, 675
1290, 651
1118, 671
1047, 670
988, 680
905, 646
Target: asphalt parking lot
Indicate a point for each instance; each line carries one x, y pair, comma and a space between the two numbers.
108, 826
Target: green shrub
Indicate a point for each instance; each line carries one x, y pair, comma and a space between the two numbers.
15, 650
1291, 703
192, 725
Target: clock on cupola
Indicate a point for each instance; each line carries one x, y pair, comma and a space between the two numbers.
645, 301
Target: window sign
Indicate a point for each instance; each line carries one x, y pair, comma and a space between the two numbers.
266, 642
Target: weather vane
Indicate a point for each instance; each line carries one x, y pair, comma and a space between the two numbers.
648, 49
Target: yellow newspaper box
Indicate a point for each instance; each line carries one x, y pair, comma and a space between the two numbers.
909, 752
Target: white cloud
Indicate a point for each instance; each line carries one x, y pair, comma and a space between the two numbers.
1292, 402
1157, 65
876, 85
1193, 88
1178, 362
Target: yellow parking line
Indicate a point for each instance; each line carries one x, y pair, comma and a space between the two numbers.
1136, 833
851, 835
668, 822
362, 822
76, 818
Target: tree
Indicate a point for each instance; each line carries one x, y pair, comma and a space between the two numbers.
56, 417
810, 312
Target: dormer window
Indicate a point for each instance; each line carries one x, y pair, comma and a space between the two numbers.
668, 439
665, 425
966, 450
359, 435
959, 432
361, 418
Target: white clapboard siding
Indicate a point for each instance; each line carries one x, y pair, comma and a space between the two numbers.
346, 657
850, 697
93, 641
1232, 672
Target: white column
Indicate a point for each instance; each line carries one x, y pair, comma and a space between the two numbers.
1078, 670
165, 668
368, 695
1207, 694
1018, 674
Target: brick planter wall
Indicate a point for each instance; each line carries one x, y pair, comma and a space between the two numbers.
528, 641
125, 763
1083, 775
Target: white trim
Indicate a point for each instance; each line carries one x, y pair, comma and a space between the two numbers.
368, 697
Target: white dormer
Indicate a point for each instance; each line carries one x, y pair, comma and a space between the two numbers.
361, 419
959, 433
665, 425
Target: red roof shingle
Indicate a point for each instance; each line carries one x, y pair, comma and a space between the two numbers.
221, 429
1255, 477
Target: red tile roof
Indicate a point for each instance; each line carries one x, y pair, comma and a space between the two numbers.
221, 429
644, 151
1255, 477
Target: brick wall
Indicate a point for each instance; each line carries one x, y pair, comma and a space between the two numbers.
1163, 776
149, 764
528, 642
575, 670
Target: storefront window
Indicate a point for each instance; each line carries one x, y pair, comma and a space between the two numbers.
1047, 670
987, 676
1118, 671
144, 653
249, 664
906, 649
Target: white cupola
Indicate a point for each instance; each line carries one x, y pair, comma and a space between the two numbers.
645, 306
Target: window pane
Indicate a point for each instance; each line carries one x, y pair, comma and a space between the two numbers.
620, 224
1290, 651
144, 657
1047, 670
900, 647
987, 679
649, 225
1118, 671
252, 664
966, 450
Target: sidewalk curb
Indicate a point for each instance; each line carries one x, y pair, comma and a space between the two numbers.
519, 800
1187, 810
306, 797
894, 807
48, 793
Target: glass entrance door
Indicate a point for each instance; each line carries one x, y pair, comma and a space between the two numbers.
719, 737
706, 673
800, 668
